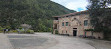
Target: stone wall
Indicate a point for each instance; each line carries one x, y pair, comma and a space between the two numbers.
76, 21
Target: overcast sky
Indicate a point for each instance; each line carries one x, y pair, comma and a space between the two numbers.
78, 5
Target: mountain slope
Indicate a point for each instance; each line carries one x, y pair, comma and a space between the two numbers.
37, 13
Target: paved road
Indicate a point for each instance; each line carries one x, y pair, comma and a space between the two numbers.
50, 41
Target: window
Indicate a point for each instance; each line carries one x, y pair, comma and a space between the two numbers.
62, 23
56, 18
66, 31
55, 26
85, 22
67, 23
67, 16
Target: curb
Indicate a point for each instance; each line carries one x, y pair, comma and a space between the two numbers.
4, 42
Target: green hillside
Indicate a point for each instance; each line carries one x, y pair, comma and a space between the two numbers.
37, 13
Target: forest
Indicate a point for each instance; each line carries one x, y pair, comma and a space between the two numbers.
37, 13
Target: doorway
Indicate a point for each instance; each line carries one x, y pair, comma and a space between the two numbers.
74, 32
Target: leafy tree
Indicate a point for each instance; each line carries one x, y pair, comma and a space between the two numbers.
100, 15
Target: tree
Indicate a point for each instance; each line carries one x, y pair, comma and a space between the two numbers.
100, 15
26, 26
13, 13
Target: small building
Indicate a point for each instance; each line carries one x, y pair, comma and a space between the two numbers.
74, 24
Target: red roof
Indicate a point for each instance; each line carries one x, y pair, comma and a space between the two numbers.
75, 13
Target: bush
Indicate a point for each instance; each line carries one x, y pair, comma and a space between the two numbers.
22, 31
109, 39
8, 27
89, 29
30, 31
20, 28
14, 30
56, 32
1, 31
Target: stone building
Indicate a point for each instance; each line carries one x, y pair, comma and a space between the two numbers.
74, 24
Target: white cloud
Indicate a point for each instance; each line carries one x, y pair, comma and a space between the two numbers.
62, 2
73, 4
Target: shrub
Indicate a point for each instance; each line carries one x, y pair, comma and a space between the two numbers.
89, 29
56, 32
22, 31
7, 27
1, 31
14, 30
109, 39
20, 28
30, 31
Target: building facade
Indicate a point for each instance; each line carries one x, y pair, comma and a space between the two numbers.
74, 24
